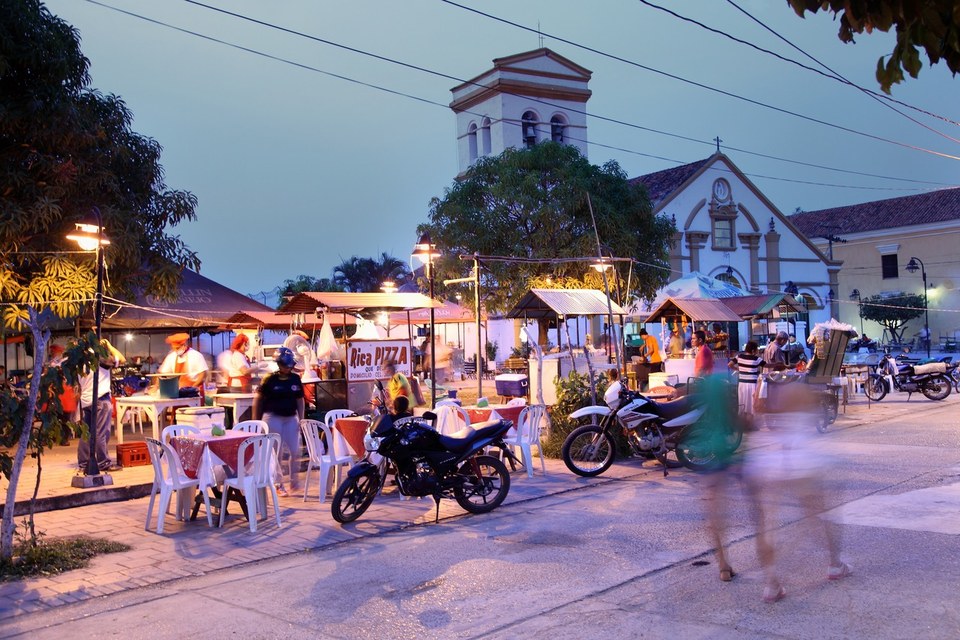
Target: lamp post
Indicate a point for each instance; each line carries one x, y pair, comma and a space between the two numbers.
426, 251
855, 295
90, 237
912, 266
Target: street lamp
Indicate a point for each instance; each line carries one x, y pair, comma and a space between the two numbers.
388, 286
855, 295
912, 266
90, 238
426, 251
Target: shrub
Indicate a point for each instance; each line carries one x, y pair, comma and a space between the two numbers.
573, 392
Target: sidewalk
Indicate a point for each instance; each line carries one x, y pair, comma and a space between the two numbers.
192, 549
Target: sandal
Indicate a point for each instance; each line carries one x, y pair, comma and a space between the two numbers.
774, 594
726, 574
282, 492
839, 572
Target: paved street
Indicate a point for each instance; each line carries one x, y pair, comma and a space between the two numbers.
624, 555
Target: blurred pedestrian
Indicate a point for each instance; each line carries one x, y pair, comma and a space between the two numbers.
279, 402
747, 365
100, 430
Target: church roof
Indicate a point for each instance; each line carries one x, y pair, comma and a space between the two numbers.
924, 208
661, 184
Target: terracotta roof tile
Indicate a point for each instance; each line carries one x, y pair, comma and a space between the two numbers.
661, 184
924, 208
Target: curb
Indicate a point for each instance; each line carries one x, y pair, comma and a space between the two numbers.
89, 497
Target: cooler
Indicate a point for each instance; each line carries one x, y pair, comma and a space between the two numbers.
201, 417
512, 384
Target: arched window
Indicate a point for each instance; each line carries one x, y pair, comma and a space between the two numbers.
557, 129
528, 123
472, 141
485, 146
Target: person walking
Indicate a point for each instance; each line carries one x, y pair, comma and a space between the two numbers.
703, 361
279, 402
747, 364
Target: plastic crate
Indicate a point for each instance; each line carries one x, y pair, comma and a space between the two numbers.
133, 454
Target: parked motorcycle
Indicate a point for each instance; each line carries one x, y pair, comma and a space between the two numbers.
662, 430
933, 380
427, 463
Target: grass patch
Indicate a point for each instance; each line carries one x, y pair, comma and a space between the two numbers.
51, 557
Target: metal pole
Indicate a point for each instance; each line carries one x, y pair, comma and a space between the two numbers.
93, 466
476, 310
926, 307
433, 341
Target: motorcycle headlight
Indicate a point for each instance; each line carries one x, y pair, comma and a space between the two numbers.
371, 442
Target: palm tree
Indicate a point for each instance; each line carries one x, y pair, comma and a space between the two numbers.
366, 274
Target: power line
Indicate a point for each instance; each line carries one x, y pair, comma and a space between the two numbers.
445, 106
700, 84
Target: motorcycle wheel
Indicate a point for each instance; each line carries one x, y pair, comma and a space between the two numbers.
828, 412
876, 389
936, 388
353, 497
486, 492
588, 451
690, 456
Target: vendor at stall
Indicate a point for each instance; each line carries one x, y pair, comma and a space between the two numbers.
397, 385
185, 361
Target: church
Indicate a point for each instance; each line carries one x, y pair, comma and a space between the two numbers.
725, 227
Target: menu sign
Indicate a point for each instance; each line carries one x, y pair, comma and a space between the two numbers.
365, 358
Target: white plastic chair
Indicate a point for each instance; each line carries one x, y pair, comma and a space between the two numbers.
331, 417
175, 430
447, 403
528, 427
451, 418
168, 476
517, 402
259, 476
323, 459
252, 426
134, 417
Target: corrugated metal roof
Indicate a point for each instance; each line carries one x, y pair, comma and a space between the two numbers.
280, 321
308, 302
550, 303
747, 306
699, 310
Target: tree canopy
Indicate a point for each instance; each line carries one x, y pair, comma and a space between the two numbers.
64, 149
533, 204
893, 312
304, 283
366, 275
932, 25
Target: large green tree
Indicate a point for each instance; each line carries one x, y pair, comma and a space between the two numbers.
304, 283
65, 149
931, 25
893, 312
533, 204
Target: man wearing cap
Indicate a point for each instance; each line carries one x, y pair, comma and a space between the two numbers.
774, 358
104, 410
184, 360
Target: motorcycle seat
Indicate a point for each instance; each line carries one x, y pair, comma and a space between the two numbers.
460, 441
674, 408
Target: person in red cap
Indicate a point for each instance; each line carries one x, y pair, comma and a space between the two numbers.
184, 360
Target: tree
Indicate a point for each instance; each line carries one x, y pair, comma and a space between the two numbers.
366, 275
64, 149
532, 204
933, 25
304, 283
893, 312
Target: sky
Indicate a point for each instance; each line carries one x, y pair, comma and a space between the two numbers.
307, 143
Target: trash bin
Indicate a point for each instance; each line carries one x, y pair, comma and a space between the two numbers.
201, 417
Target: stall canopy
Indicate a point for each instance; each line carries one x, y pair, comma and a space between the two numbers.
698, 285
448, 313
200, 303
311, 301
697, 310
280, 321
553, 303
754, 306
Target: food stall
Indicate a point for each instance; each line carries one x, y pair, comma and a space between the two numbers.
362, 355
677, 314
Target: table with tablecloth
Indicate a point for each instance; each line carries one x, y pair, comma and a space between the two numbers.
495, 412
238, 403
353, 430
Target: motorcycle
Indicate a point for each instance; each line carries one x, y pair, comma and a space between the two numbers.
427, 463
933, 380
663, 430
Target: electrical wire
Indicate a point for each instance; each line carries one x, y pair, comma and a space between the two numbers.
445, 106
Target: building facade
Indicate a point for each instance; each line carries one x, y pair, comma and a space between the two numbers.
875, 241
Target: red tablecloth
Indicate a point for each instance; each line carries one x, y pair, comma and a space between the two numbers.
506, 413
225, 447
353, 429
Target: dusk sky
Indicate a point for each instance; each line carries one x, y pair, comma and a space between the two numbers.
297, 170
